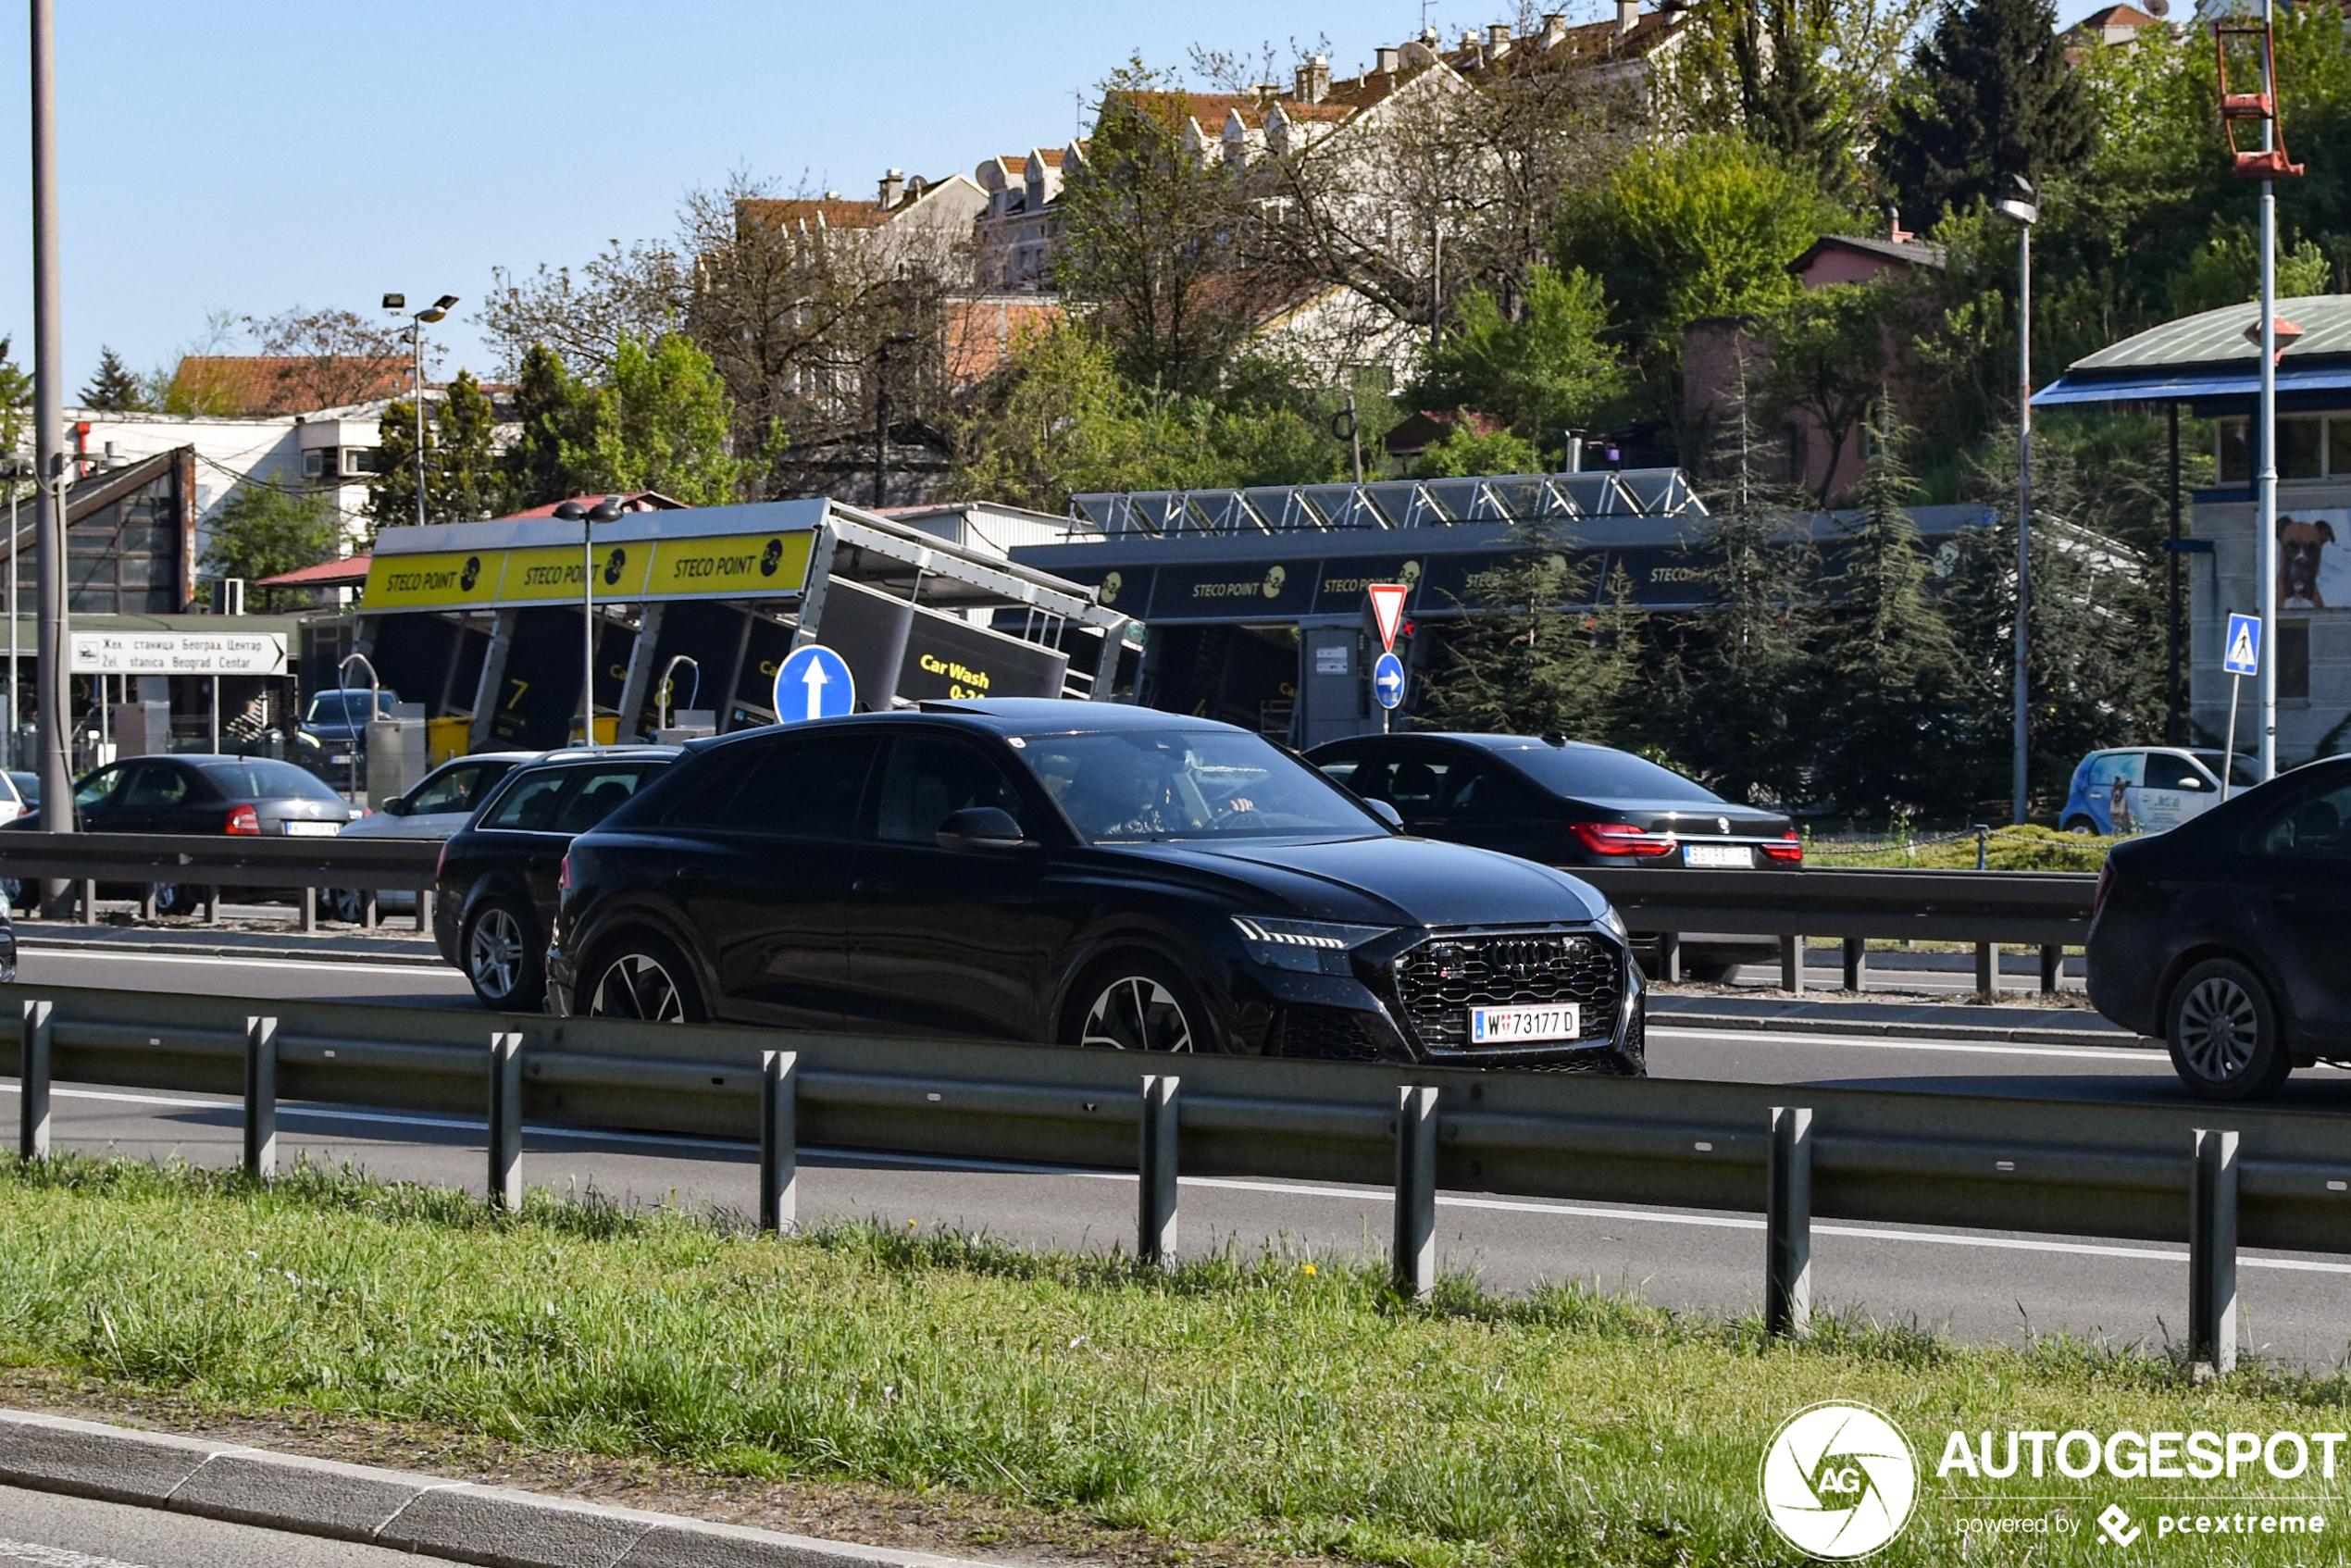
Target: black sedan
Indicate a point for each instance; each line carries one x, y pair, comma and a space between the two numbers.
1081, 873
1567, 803
496, 880
2226, 935
207, 792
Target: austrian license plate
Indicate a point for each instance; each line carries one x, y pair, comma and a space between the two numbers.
297, 829
1524, 1026
1728, 857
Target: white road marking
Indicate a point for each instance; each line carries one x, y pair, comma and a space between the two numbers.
56, 1556
1236, 1184
2138, 1054
112, 955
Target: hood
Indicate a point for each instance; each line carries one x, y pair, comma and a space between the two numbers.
1398, 881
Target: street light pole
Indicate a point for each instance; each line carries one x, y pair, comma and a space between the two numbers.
48, 422
2265, 522
416, 325
588, 517
2021, 207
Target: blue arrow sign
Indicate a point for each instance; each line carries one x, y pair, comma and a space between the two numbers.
1388, 681
814, 683
2241, 653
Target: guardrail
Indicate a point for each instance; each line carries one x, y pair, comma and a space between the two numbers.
2272, 1178
226, 860
2050, 910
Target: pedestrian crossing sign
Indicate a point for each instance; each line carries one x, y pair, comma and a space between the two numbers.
2244, 654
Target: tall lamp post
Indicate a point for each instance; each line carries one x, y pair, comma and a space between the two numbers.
2021, 207
417, 322
604, 511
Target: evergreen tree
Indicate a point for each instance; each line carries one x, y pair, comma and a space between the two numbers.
1537, 655
1990, 95
262, 531
553, 410
460, 466
116, 389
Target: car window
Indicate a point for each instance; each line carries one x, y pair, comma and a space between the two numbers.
599, 794
2316, 828
2165, 771
260, 778
1476, 790
1600, 773
450, 791
530, 806
804, 786
2243, 773
2109, 768
930, 778
28, 787
1413, 780
99, 787
149, 785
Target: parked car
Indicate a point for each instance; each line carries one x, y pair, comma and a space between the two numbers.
207, 792
1079, 873
1566, 802
434, 807
15, 801
497, 877
28, 787
337, 720
2225, 937
2148, 789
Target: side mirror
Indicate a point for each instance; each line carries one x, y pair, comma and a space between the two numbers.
1386, 814
981, 828
396, 806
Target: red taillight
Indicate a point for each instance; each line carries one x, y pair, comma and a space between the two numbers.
563, 875
1621, 838
441, 863
2106, 880
242, 819
1790, 849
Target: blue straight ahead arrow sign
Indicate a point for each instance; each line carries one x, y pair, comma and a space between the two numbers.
814, 683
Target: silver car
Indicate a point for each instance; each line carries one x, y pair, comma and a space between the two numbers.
433, 808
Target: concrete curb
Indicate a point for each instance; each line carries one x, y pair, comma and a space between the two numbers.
2021, 1034
456, 1520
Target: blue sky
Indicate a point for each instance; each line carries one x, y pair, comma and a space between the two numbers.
259, 155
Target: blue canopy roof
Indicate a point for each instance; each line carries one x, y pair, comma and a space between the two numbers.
2206, 358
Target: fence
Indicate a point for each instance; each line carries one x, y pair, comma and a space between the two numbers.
225, 861
2269, 1179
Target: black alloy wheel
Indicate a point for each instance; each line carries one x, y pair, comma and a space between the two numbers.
500, 949
1138, 1002
642, 976
2223, 1033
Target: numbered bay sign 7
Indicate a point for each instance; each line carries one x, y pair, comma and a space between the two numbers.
814, 682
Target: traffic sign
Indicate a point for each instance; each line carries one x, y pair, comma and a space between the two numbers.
1388, 604
814, 683
2243, 656
1388, 681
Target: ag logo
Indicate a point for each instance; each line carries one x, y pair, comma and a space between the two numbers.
771, 557
1275, 578
471, 575
1838, 1480
1110, 585
613, 564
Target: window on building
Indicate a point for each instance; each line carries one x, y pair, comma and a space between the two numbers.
2301, 449
360, 459
2308, 448
314, 463
2294, 660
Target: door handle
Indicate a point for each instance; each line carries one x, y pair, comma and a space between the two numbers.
871, 885
691, 873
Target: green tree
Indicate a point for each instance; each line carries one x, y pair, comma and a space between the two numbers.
663, 422
262, 531
552, 411
116, 387
1465, 450
1990, 95
1832, 356
1540, 374
461, 465
1537, 654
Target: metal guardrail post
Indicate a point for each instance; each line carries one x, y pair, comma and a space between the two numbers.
87, 892
1787, 1224
1416, 1248
424, 913
261, 1098
211, 906
2212, 1253
309, 909
1856, 962
368, 909
505, 1122
1987, 970
1792, 964
33, 1084
1155, 1203
779, 1140
2052, 968
1669, 957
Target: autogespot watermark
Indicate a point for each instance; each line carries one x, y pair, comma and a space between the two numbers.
1839, 1480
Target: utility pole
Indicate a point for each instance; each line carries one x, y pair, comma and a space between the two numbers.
49, 431
2021, 207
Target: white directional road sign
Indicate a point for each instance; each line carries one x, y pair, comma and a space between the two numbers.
1388, 681
814, 683
2243, 649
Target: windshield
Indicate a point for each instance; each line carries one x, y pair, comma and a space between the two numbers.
2243, 774
258, 778
1132, 786
339, 707
1598, 773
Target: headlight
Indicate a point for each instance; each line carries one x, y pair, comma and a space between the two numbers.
1615, 922
1307, 946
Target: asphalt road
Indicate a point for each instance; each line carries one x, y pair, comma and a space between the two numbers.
1978, 1286
62, 1532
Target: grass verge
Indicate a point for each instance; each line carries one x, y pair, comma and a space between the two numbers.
1282, 1405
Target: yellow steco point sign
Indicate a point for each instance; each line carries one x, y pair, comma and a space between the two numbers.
743, 566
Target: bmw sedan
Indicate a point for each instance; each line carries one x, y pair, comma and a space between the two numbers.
1080, 873
2225, 936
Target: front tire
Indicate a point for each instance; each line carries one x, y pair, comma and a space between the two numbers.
2080, 825
2222, 1030
502, 956
638, 974
1137, 1002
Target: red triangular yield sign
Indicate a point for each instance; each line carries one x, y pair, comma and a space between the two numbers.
1388, 603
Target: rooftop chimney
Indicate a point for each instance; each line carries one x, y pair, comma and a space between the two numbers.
1313, 81
1498, 37
894, 185
1554, 27
1387, 61
1627, 13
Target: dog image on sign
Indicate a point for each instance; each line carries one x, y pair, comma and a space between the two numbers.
2314, 570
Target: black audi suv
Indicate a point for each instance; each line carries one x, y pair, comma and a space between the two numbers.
1081, 873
